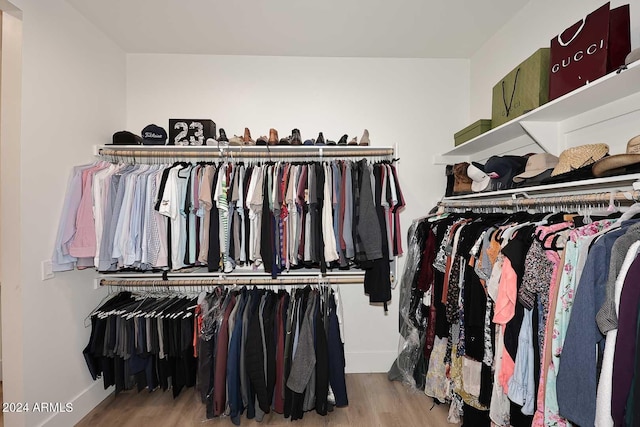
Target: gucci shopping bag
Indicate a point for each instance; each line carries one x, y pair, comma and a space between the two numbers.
525, 88
589, 49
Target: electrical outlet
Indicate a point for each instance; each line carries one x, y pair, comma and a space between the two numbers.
47, 270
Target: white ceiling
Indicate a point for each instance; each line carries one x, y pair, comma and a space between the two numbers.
339, 28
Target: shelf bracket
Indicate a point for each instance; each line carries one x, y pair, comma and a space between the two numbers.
545, 134
449, 160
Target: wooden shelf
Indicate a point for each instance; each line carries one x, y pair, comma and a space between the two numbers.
542, 123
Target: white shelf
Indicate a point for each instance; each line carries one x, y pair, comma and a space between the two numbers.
241, 148
608, 184
541, 124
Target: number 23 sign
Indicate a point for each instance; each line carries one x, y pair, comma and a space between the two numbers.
190, 131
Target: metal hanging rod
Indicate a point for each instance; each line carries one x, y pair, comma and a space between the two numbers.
233, 152
235, 281
626, 197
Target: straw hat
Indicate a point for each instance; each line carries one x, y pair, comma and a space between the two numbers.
614, 165
582, 156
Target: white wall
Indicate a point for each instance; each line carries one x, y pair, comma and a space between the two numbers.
10, 102
73, 96
532, 28
417, 104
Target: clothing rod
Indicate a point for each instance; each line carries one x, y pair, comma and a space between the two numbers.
239, 281
245, 154
616, 196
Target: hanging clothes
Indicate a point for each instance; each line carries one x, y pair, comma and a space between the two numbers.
246, 351
335, 214
527, 296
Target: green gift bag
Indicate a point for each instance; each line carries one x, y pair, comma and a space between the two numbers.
525, 88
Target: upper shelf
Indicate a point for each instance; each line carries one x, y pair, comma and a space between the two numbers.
541, 123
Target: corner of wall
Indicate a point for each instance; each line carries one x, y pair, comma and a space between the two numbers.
10, 226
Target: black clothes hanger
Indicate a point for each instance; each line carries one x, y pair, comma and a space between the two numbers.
553, 244
557, 217
540, 239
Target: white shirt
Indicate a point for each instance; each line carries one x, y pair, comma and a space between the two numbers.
328, 235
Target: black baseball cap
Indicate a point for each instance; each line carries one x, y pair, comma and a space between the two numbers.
502, 169
124, 137
154, 135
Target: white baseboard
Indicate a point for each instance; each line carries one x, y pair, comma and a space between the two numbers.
83, 403
369, 362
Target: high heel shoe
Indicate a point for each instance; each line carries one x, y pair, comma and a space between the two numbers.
320, 139
246, 139
365, 138
343, 140
273, 136
262, 141
296, 139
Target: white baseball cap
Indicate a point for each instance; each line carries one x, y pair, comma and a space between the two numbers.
480, 179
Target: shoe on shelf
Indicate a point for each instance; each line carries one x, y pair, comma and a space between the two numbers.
246, 139
228, 267
236, 140
365, 138
273, 136
354, 141
223, 136
285, 141
262, 141
343, 140
320, 139
310, 142
211, 141
330, 142
296, 139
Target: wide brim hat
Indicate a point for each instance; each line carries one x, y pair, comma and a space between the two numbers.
632, 57
620, 164
579, 157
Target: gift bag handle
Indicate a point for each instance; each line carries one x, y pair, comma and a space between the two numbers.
563, 44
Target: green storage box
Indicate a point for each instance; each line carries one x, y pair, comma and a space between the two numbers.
525, 88
471, 131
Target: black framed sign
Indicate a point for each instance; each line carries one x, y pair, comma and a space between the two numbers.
190, 131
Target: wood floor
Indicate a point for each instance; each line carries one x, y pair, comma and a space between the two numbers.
373, 401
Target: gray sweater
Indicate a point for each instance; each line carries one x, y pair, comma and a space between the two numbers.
304, 361
368, 225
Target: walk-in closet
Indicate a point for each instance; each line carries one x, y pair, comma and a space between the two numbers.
417, 213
